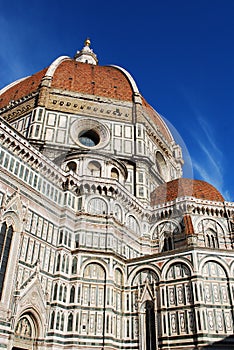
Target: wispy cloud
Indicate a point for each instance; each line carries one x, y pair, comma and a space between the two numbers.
208, 161
209, 134
206, 154
214, 158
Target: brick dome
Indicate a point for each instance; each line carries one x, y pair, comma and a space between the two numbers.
171, 190
70, 75
106, 81
21, 88
90, 79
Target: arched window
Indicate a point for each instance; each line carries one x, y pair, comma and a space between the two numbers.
70, 323
107, 323
61, 237
114, 174
74, 266
161, 165
55, 291
67, 264
178, 293
211, 239
118, 213
118, 289
72, 166
94, 168
62, 323
133, 224
165, 232
52, 320
65, 294
72, 294
94, 271
211, 230
118, 277
177, 271
97, 206
167, 244
63, 263
60, 292
58, 262
58, 321
92, 293
143, 276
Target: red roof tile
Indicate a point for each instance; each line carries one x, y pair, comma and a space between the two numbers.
171, 190
22, 88
91, 79
70, 75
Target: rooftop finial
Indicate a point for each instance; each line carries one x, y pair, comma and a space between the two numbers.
86, 55
87, 42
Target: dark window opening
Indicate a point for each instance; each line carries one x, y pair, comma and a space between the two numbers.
55, 292
89, 138
72, 295
70, 323
52, 320
6, 234
58, 263
72, 166
150, 326
74, 266
167, 244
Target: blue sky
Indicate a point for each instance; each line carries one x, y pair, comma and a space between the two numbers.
180, 52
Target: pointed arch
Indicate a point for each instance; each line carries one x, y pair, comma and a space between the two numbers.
58, 262
55, 291
70, 322
62, 322
132, 224
29, 327
97, 206
52, 317
161, 165
114, 174
72, 294
74, 265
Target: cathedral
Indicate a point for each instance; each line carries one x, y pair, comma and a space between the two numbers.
103, 244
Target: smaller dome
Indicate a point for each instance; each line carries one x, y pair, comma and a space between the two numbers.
171, 190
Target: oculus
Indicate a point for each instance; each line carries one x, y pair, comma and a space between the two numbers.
89, 133
89, 138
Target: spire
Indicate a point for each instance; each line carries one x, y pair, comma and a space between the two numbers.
86, 55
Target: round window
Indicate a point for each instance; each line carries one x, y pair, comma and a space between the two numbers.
89, 138
89, 133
